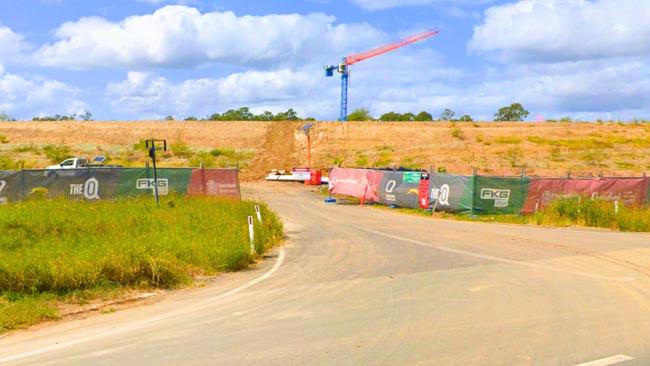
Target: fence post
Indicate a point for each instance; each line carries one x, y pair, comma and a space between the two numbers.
616, 207
251, 235
474, 177
258, 213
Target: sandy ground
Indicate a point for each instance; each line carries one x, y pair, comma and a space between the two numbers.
550, 149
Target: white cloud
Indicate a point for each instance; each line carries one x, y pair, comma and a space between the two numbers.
387, 4
25, 97
11, 44
585, 89
180, 36
149, 95
564, 30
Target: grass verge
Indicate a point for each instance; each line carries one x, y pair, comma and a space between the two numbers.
56, 251
562, 213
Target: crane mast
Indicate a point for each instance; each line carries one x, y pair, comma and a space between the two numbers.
344, 67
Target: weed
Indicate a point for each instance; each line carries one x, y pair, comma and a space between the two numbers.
204, 159
384, 157
514, 156
26, 148
362, 160
506, 140
4, 139
181, 149
556, 155
457, 133
50, 250
57, 153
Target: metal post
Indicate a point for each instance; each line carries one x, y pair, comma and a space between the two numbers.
22, 180
155, 172
309, 149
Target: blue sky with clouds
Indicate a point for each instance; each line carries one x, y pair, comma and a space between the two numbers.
143, 59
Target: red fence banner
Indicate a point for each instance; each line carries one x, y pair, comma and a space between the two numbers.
214, 182
360, 183
629, 191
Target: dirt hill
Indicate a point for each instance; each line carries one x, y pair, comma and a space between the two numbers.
493, 148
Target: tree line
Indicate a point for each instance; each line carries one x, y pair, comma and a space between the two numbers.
245, 114
513, 112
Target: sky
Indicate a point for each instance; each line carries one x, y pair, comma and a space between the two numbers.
146, 59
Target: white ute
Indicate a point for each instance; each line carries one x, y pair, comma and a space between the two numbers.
72, 163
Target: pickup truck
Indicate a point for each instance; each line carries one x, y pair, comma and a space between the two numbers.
81, 163
72, 163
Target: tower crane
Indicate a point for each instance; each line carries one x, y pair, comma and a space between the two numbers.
344, 67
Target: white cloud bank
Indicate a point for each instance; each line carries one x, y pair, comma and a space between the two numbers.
11, 44
565, 30
181, 36
23, 97
149, 95
387, 4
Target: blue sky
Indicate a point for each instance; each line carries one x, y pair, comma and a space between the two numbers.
145, 59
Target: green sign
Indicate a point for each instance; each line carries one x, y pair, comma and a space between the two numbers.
411, 177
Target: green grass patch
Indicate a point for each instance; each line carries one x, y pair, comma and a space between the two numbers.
508, 140
54, 251
57, 153
572, 211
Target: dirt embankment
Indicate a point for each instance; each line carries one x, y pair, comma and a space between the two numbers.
494, 148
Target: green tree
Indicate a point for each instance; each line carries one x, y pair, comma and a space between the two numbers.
466, 118
86, 115
515, 112
191, 118
241, 114
266, 116
169, 118
447, 115
408, 117
289, 115
214, 117
360, 114
4, 117
424, 116
390, 117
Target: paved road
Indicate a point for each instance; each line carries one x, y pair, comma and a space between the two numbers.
361, 286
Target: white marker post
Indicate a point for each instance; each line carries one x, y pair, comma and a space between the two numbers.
251, 234
616, 207
259, 214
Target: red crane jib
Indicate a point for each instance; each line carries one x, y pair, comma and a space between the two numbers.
353, 59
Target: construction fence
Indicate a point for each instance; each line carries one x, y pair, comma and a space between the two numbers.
479, 194
103, 183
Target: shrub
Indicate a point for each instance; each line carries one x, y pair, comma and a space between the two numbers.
506, 140
57, 153
457, 133
4, 139
181, 149
204, 159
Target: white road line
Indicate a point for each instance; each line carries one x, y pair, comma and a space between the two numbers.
150, 321
498, 259
607, 361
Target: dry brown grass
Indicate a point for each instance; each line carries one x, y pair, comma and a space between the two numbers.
494, 148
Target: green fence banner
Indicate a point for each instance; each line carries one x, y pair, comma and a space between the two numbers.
451, 193
99, 183
140, 181
499, 195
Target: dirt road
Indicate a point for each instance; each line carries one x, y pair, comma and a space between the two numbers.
359, 286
